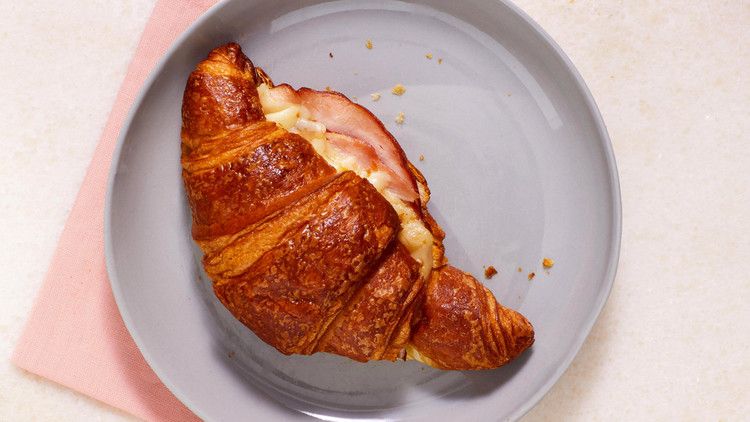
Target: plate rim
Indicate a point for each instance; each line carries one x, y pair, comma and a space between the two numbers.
603, 139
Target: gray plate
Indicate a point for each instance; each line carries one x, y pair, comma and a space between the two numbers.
517, 157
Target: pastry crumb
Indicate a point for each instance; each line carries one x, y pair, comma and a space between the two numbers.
531, 276
440, 61
400, 117
398, 90
328, 89
368, 44
429, 56
375, 96
330, 54
421, 157
548, 262
489, 272
520, 269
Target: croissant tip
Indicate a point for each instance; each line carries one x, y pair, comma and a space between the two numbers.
231, 53
525, 336
231, 48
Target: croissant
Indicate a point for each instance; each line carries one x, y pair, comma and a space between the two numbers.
315, 229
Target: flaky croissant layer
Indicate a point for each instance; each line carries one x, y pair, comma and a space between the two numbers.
314, 255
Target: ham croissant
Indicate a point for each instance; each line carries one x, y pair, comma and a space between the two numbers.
315, 230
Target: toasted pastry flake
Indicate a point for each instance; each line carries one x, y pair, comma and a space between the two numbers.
398, 90
531, 276
440, 61
520, 269
368, 44
375, 96
429, 56
489, 272
421, 157
548, 262
400, 118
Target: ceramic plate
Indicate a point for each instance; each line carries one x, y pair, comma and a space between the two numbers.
514, 150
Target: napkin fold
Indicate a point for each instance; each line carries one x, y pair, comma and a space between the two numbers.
75, 335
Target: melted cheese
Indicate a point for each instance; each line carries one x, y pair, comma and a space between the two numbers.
296, 118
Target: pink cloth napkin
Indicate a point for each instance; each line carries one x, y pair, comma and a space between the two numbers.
75, 335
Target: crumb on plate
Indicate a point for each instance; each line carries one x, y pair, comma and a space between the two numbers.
548, 262
421, 157
368, 44
489, 272
398, 89
531, 276
440, 61
429, 56
328, 89
520, 269
400, 117
375, 96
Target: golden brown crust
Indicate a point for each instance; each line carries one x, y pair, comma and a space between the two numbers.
369, 325
220, 95
301, 278
239, 186
463, 327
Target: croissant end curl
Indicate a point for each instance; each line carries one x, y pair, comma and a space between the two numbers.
315, 229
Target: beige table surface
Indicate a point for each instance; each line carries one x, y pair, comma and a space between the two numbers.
672, 79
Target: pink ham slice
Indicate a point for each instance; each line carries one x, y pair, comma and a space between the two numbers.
363, 152
353, 128
284, 93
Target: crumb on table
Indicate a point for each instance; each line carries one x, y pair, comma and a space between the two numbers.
421, 157
520, 269
440, 61
531, 276
489, 272
398, 90
400, 117
548, 262
368, 44
375, 96
328, 89
429, 56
